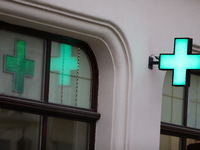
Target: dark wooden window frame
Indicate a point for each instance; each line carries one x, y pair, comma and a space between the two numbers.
44, 108
182, 131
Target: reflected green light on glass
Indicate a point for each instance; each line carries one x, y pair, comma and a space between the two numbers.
64, 64
180, 61
19, 66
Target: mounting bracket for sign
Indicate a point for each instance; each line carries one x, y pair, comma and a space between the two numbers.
151, 62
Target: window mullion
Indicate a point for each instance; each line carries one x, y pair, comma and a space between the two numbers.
92, 135
47, 46
183, 143
185, 108
44, 133
47, 69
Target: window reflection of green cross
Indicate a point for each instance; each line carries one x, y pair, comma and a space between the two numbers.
64, 64
19, 66
181, 61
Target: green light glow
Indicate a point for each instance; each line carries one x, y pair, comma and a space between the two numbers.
64, 64
180, 61
19, 66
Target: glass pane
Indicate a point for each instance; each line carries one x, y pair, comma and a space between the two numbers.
193, 119
172, 101
18, 130
177, 111
193, 144
66, 134
21, 59
166, 109
70, 76
169, 142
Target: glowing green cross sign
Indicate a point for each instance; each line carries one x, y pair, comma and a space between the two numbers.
64, 64
19, 66
181, 62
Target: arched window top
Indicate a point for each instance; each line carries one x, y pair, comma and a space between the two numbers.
62, 67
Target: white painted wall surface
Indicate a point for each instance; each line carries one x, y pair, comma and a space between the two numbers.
122, 34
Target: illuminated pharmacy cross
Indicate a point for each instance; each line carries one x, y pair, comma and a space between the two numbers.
64, 64
19, 66
181, 62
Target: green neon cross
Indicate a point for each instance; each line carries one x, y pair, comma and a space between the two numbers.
19, 66
181, 62
64, 64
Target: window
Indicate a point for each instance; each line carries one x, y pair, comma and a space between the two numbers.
48, 91
180, 126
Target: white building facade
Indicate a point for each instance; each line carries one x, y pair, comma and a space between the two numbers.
122, 35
